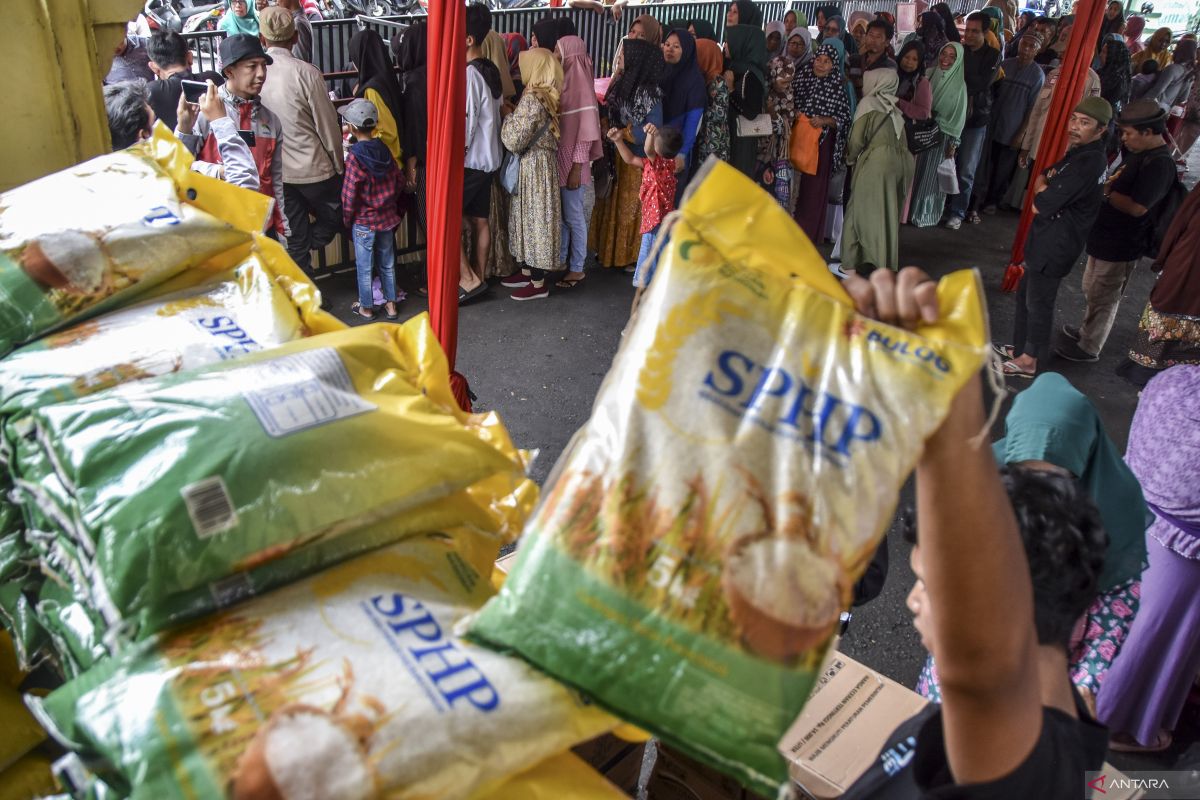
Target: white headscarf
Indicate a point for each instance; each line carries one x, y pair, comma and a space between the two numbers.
799, 32
879, 94
776, 26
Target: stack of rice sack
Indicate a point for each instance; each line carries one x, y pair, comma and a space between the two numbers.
243, 532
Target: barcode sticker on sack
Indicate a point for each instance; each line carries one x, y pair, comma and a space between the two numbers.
209, 506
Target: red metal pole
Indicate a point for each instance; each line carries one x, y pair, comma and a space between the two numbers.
1089, 15
444, 174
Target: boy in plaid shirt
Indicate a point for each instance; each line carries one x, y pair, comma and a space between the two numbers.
372, 197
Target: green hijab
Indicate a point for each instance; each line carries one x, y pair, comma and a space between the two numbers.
1051, 421
748, 51
232, 24
949, 93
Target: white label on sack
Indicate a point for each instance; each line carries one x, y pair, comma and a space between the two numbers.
302, 391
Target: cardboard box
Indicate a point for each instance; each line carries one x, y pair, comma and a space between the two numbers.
845, 724
619, 761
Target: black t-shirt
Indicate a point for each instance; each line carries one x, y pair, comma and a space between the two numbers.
164, 94
912, 764
1066, 211
1145, 177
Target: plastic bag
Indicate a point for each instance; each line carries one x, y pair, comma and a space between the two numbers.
350, 684
947, 176
93, 237
705, 528
275, 464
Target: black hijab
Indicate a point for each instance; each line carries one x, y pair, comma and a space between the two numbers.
748, 13
566, 27
947, 16
547, 32
908, 80
684, 88
638, 87
410, 50
704, 29
375, 70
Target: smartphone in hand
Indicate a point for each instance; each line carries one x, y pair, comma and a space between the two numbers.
194, 90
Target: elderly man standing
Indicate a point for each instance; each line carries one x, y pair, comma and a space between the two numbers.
303, 48
312, 163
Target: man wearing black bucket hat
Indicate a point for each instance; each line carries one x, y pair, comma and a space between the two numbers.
244, 65
1124, 226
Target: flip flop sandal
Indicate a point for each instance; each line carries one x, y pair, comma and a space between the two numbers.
566, 284
465, 297
394, 315
1162, 741
1005, 351
362, 312
1011, 370
973, 219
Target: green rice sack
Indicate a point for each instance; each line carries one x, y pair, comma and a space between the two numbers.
174, 488
97, 235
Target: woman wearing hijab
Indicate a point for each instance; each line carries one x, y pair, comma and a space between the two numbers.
914, 98
535, 216
377, 83
1007, 20
792, 20
1114, 22
821, 16
743, 12
1157, 49
746, 71
494, 50
1115, 76
500, 260
1024, 26
1134, 27
579, 144
1144, 692
932, 31
702, 29
714, 130
776, 36
1053, 427
773, 150
948, 26
1174, 81
1169, 330
799, 47
820, 89
240, 17
883, 169
514, 45
410, 49
835, 28
858, 27
545, 33
949, 90
645, 28
684, 96
994, 36
634, 98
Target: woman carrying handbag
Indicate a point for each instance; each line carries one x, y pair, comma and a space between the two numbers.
745, 74
822, 99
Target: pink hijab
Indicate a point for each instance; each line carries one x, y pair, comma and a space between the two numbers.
579, 115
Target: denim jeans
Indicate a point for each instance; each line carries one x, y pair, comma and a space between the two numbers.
970, 148
574, 228
644, 271
375, 249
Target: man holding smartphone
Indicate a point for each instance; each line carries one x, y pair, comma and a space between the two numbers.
171, 63
237, 165
245, 69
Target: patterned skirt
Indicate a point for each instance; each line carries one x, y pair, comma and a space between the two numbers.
1164, 340
1102, 631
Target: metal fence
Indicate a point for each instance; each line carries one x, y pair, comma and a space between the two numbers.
331, 38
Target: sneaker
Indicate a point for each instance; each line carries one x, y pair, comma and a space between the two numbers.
1071, 332
531, 292
836, 268
953, 223
1073, 352
518, 280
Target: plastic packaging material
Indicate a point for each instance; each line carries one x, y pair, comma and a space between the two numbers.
705, 528
562, 776
94, 237
347, 685
176, 491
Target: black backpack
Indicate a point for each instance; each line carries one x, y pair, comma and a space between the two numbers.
1164, 214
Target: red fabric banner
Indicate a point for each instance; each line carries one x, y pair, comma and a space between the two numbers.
1089, 14
444, 174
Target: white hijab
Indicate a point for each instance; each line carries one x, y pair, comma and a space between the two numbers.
879, 94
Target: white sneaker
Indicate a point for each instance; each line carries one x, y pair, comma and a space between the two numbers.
836, 268
954, 223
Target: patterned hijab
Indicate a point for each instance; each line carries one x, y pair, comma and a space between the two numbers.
879, 94
543, 78
638, 87
949, 93
933, 32
1115, 75
826, 97
781, 69
1052, 422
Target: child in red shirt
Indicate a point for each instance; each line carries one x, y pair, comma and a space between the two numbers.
658, 187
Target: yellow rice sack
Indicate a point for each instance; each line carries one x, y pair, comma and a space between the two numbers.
703, 531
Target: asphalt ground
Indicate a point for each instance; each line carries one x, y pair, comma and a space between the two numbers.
540, 363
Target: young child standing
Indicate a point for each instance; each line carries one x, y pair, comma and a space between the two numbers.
658, 187
372, 197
